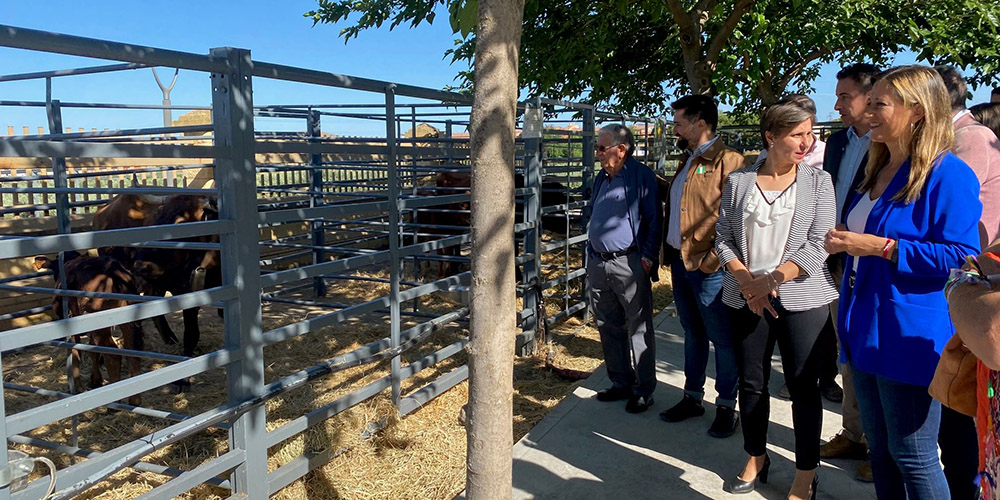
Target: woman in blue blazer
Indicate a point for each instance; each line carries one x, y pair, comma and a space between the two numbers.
914, 219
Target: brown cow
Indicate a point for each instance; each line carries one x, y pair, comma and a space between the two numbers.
125, 211
106, 275
180, 271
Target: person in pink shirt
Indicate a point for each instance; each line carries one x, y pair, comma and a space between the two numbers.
977, 146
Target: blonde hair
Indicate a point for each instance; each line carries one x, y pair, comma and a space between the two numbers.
930, 137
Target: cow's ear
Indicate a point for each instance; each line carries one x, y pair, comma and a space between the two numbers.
42, 262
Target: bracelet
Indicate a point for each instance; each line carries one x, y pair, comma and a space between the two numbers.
773, 279
889, 242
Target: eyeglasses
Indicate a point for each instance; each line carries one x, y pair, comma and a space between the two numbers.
600, 149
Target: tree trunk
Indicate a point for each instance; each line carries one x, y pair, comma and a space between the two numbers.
493, 322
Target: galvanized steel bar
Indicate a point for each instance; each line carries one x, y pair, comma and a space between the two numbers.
419, 398
41, 149
194, 477
293, 74
16, 247
138, 410
395, 206
70, 72
315, 132
27, 420
235, 174
36, 334
532, 214
23, 38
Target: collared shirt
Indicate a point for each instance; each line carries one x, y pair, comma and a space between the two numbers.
677, 192
849, 164
610, 223
959, 115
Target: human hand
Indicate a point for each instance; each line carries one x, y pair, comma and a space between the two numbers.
761, 304
647, 264
759, 286
856, 244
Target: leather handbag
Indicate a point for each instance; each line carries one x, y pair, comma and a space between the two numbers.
954, 382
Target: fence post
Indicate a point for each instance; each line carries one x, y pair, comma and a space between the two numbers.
235, 178
394, 264
318, 233
588, 185
532, 135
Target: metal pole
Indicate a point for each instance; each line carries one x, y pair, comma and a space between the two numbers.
588, 186
532, 133
167, 118
60, 179
235, 177
318, 234
394, 308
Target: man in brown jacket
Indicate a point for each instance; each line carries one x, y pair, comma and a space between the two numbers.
691, 210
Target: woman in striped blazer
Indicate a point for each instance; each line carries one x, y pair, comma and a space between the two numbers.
772, 223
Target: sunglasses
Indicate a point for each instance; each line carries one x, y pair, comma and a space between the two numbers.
600, 149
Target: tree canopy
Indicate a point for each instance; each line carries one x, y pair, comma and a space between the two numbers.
636, 55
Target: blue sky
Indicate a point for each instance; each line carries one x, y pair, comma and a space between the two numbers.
275, 31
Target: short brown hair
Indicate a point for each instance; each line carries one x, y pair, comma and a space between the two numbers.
784, 115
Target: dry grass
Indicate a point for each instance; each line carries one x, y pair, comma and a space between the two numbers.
419, 457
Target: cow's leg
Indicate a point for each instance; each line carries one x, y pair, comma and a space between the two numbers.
191, 332
191, 336
100, 338
132, 340
112, 362
74, 368
166, 333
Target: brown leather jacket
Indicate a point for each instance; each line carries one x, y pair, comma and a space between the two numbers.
700, 205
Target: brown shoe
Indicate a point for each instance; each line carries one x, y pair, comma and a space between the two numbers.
841, 447
864, 473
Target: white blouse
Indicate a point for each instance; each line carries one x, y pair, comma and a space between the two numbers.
857, 218
767, 220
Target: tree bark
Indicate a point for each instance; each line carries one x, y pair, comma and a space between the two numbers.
493, 323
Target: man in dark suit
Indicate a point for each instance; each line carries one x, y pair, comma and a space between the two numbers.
845, 160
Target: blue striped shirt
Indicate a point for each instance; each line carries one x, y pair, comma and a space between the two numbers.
849, 165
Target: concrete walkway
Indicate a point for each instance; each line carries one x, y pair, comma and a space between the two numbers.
586, 449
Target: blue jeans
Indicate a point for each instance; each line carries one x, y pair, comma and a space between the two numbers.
901, 424
705, 318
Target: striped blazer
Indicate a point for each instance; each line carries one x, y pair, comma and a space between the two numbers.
815, 214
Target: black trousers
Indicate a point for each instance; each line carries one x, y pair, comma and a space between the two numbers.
796, 333
959, 453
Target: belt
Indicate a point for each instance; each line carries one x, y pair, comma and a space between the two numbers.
615, 255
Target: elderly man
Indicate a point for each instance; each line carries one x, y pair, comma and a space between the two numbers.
693, 208
623, 254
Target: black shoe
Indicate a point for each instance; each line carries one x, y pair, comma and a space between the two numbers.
638, 404
687, 408
831, 391
725, 423
815, 486
614, 394
740, 487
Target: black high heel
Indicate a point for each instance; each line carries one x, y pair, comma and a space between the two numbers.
815, 487
740, 487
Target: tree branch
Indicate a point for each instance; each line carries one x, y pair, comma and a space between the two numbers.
681, 17
721, 37
799, 66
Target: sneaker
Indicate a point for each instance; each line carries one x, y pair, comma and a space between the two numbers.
783, 392
831, 391
638, 404
864, 473
841, 447
725, 423
614, 394
687, 408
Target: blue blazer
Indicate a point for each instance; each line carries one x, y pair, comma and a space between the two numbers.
894, 321
645, 212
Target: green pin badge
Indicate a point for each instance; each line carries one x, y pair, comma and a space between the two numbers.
700, 170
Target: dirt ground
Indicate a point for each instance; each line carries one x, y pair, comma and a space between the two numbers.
421, 456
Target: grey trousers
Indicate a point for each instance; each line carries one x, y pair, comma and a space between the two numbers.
622, 302
849, 407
